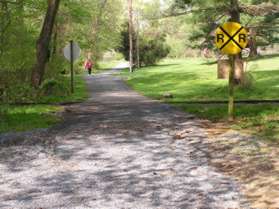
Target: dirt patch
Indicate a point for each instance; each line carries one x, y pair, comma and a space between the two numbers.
254, 163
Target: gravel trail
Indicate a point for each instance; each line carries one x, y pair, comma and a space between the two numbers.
117, 150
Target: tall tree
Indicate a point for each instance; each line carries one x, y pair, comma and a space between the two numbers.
43, 43
96, 28
130, 8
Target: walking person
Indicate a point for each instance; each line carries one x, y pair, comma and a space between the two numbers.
88, 64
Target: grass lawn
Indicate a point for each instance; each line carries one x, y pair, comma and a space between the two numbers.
107, 65
27, 117
196, 80
23, 118
257, 119
80, 92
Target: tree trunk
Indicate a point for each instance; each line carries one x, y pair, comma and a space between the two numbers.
54, 41
131, 34
235, 17
43, 42
138, 41
253, 43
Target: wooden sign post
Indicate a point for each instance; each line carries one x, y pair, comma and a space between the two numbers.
231, 38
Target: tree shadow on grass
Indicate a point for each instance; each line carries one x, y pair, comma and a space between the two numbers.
262, 57
209, 62
158, 66
259, 57
18, 122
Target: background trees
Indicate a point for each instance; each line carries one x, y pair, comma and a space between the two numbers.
42, 46
259, 17
151, 48
34, 32
184, 25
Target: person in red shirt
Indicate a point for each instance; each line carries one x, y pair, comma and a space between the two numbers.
88, 64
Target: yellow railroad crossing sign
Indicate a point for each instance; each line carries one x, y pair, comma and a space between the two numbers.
231, 38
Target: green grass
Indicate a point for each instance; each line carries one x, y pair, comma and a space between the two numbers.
107, 65
258, 119
196, 80
18, 118
23, 118
80, 92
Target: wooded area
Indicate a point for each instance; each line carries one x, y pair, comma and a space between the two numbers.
97, 25
109, 129
33, 34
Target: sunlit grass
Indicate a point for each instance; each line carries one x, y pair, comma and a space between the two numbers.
258, 119
196, 80
22, 118
80, 92
107, 65
16, 118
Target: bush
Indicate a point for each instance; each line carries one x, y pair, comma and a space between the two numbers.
19, 93
15, 86
152, 49
52, 87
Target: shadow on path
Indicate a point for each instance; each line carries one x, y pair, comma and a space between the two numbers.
116, 150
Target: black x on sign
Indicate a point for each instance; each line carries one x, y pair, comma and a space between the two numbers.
231, 38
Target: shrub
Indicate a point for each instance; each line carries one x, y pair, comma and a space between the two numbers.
52, 87
19, 93
152, 49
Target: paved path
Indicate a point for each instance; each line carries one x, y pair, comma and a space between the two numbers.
116, 151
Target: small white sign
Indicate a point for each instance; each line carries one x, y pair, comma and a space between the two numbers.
76, 51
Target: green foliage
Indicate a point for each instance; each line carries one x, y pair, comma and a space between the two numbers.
194, 79
207, 15
94, 25
124, 44
151, 49
23, 118
62, 95
19, 93
54, 87
259, 119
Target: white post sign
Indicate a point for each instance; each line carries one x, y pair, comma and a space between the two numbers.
72, 53
76, 51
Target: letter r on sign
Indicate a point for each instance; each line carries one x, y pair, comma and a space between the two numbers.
241, 37
220, 37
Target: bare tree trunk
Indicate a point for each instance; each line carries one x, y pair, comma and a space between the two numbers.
238, 62
130, 7
235, 17
54, 40
43, 42
253, 43
138, 41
